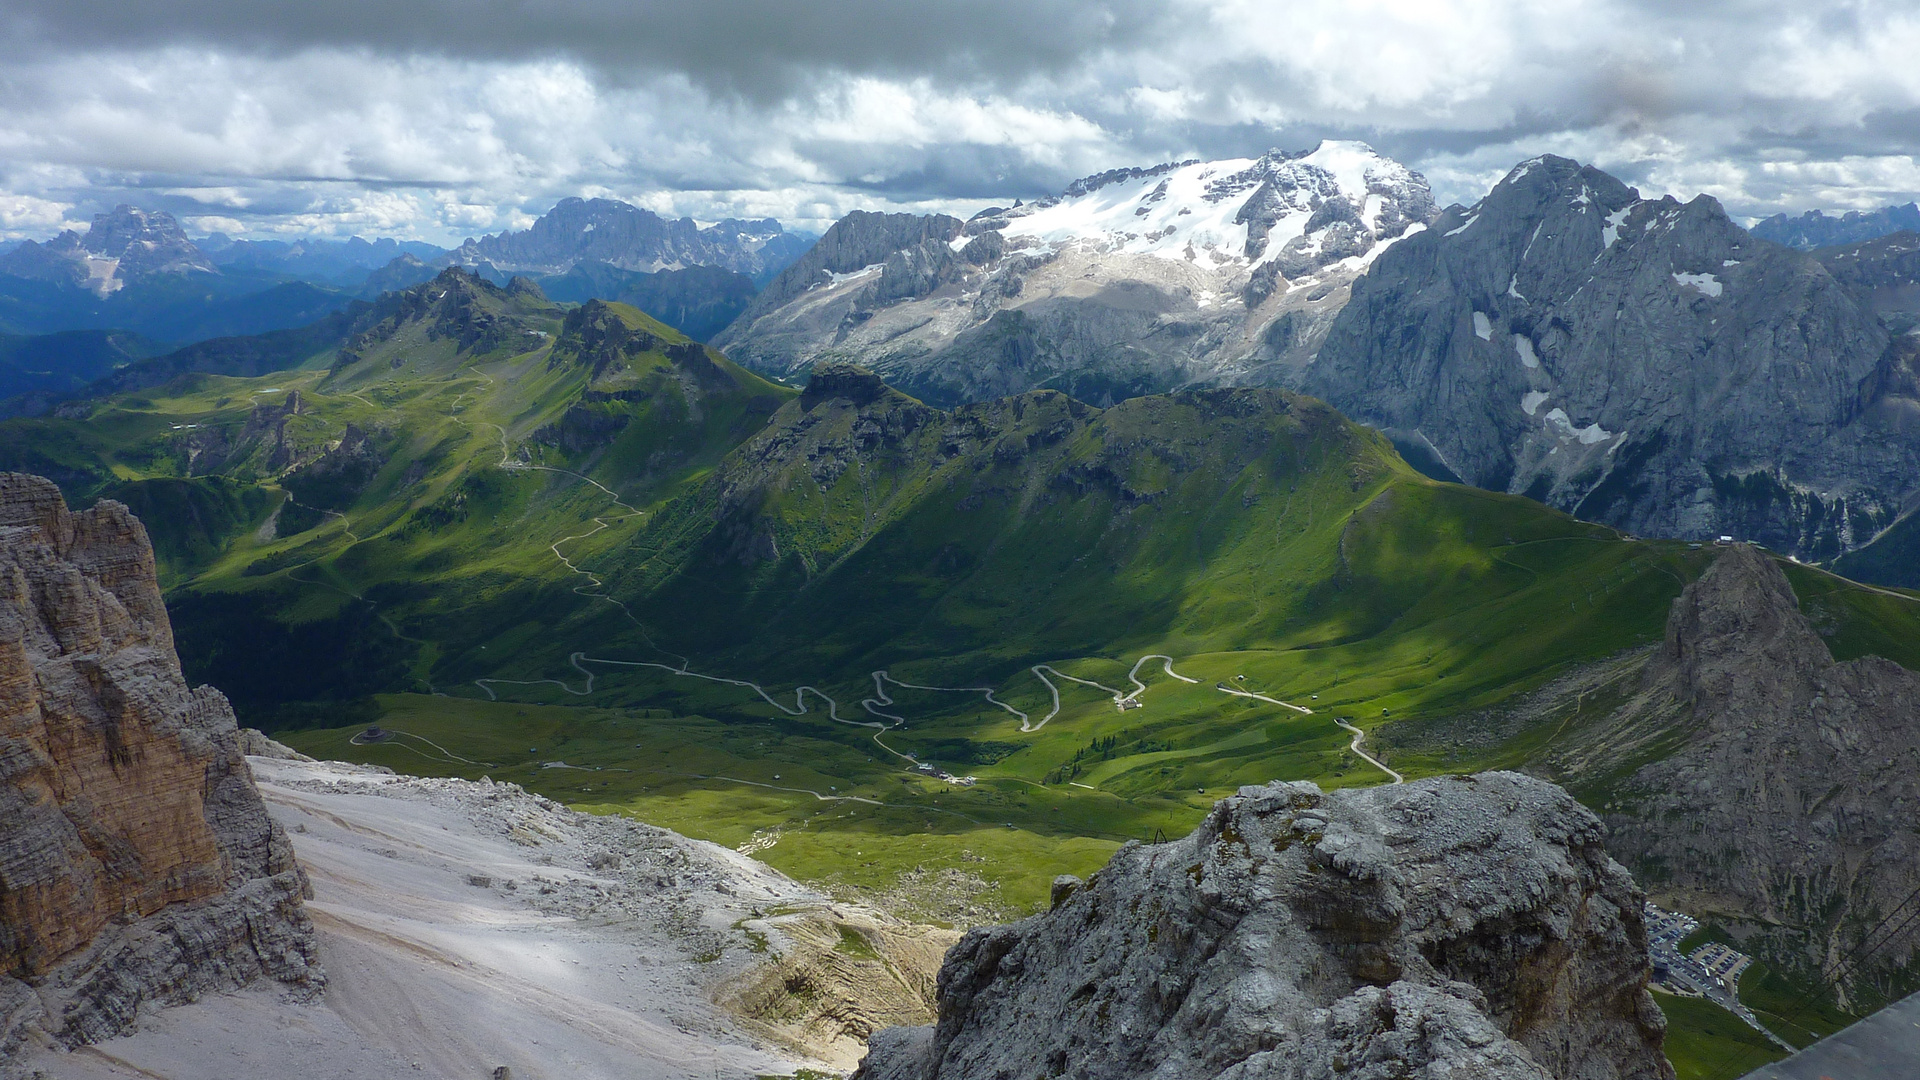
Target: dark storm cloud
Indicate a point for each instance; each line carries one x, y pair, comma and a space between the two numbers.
757, 47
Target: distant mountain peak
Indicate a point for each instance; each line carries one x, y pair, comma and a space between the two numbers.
1128, 282
1303, 208
123, 244
1639, 362
632, 238
1815, 229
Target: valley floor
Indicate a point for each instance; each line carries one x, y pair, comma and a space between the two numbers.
465, 927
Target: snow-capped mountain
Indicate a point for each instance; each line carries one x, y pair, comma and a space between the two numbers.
1128, 282
1295, 211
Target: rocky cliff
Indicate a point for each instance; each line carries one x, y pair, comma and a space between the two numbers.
1130, 282
1787, 811
137, 862
1468, 926
1883, 274
1643, 363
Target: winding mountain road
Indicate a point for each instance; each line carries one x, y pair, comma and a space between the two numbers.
1359, 737
881, 699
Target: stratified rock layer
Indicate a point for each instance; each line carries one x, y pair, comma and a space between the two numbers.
137, 861
1464, 927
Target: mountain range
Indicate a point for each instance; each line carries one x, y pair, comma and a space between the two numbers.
1818, 229
136, 279
627, 237
344, 263
1644, 363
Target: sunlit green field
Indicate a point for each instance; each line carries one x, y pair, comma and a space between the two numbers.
1706, 1042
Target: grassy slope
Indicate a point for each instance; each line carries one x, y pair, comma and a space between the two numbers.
1288, 547
1705, 1041
351, 590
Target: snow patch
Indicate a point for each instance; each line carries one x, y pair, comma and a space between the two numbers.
1532, 400
1464, 227
1361, 262
1730, 262
865, 271
1614, 220
1513, 287
1524, 346
1563, 427
1706, 283
1482, 327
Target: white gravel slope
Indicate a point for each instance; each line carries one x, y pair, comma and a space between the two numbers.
468, 926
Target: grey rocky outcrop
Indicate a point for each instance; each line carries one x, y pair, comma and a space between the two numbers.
137, 861
856, 242
1643, 363
1883, 274
1787, 811
1461, 927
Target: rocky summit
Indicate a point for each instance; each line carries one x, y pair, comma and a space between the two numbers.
1462, 927
1788, 807
124, 244
1129, 282
138, 863
1642, 363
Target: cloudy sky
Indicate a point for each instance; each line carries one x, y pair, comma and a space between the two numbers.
438, 119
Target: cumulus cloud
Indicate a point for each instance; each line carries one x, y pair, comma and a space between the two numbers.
443, 119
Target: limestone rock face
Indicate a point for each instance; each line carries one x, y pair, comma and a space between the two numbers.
1464, 927
1642, 363
1788, 809
137, 861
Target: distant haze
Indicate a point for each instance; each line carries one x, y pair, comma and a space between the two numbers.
440, 121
